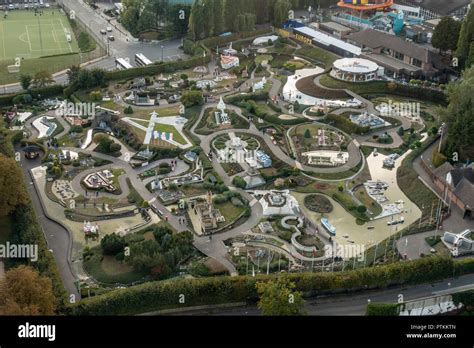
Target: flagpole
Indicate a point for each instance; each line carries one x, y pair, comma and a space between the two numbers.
375, 254
268, 264
247, 270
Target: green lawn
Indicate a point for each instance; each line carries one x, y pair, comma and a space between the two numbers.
40, 43
24, 35
263, 57
110, 271
229, 211
160, 128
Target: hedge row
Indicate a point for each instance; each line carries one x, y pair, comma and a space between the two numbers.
383, 309
166, 294
46, 92
159, 68
221, 40
235, 98
465, 297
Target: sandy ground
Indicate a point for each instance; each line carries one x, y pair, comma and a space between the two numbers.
345, 222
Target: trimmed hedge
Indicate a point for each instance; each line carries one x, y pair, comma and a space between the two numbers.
383, 309
159, 68
161, 295
221, 40
46, 92
465, 297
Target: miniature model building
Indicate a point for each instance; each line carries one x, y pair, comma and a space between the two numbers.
222, 118
209, 217
326, 157
279, 203
99, 180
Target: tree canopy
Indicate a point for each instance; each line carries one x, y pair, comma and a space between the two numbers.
11, 177
459, 117
465, 45
279, 298
24, 292
446, 34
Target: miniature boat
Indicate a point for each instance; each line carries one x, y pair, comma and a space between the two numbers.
327, 225
396, 222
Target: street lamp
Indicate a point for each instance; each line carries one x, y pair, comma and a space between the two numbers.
162, 47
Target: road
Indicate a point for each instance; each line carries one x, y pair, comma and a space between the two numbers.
356, 303
57, 237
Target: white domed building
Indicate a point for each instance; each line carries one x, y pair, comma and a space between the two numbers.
354, 70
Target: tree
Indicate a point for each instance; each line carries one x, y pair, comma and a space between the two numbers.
459, 117
362, 209
466, 39
401, 131
307, 134
112, 244
11, 177
25, 81
95, 96
191, 98
279, 298
280, 12
42, 79
24, 292
446, 34
105, 145
239, 182
73, 73
128, 110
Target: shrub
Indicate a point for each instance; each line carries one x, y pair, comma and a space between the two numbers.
191, 98
95, 96
112, 244
128, 110
383, 309
239, 182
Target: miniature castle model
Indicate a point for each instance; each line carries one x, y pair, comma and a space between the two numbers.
89, 229
221, 117
208, 216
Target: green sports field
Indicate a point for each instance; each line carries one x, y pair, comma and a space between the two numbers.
26, 36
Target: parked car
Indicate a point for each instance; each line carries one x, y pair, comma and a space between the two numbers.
109, 29
103, 32
111, 38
